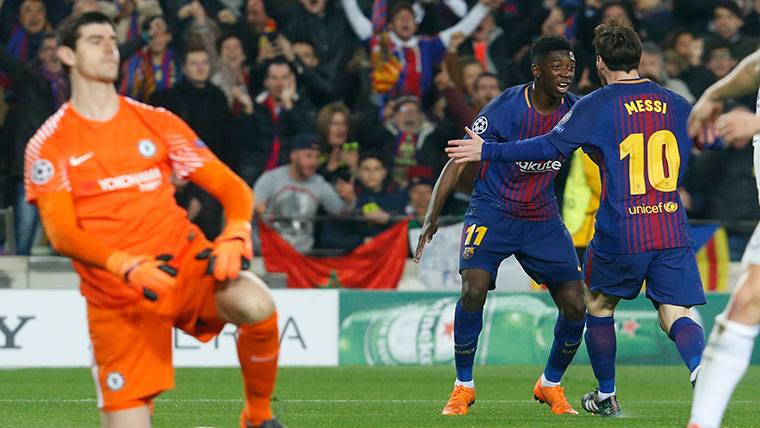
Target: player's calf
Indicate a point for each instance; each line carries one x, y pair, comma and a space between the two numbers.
687, 335
135, 417
247, 302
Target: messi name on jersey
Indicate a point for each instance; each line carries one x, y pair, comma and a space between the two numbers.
645, 105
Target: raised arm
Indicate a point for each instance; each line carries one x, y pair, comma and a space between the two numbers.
361, 25
543, 147
743, 80
469, 23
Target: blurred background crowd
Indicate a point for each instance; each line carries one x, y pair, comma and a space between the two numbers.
336, 112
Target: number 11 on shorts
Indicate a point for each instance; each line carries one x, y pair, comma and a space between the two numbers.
478, 231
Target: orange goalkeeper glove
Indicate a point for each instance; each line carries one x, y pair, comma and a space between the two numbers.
232, 252
153, 276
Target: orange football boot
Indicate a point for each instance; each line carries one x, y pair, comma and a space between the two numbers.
554, 396
460, 401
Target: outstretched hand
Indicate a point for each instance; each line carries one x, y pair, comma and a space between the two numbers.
428, 230
469, 150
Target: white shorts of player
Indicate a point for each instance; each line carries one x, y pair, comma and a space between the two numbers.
752, 251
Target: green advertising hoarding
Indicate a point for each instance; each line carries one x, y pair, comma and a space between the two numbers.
416, 328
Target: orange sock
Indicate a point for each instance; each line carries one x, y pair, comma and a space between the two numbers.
258, 346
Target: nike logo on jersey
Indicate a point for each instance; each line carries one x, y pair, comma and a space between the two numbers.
78, 160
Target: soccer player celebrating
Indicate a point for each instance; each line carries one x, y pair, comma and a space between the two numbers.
514, 211
635, 130
729, 348
99, 170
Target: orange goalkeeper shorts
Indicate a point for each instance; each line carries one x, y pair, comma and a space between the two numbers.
132, 345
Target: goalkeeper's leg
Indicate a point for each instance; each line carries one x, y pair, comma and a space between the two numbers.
135, 417
247, 303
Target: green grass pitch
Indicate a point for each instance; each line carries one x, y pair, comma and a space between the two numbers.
651, 396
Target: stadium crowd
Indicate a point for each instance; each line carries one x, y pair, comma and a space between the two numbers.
339, 110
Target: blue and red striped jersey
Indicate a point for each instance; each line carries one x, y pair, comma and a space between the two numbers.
522, 189
635, 130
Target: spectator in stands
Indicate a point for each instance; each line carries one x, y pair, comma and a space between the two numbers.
471, 69
288, 197
324, 25
419, 193
652, 66
720, 62
279, 112
727, 21
752, 21
128, 15
379, 202
203, 106
153, 68
40, 88
339, 156
656, 19
21, 39
695, 15
417, 56
234, 75
486, 88
408, 138
722, 186
433, 16
317, 86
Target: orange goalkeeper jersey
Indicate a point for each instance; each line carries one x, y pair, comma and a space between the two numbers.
118, 173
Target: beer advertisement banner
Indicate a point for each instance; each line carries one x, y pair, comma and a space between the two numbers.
518, 328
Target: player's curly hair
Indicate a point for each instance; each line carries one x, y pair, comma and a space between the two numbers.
546, 44
618, 46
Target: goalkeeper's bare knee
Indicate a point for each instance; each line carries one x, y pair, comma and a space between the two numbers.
244, 300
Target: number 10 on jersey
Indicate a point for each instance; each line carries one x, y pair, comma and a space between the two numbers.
662, 149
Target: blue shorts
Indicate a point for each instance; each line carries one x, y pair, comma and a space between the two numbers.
544, 249
672, 275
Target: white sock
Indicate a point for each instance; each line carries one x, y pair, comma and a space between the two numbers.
605, 395
693, 375
724, 362
546, 382
468, 384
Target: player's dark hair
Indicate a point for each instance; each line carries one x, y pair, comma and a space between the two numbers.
545, 44
618, 46
68, 31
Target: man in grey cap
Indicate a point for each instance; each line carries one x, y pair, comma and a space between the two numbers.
288, 197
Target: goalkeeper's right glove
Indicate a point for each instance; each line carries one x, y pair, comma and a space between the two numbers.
151, 276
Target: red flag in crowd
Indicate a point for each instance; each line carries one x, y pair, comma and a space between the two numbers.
378, 263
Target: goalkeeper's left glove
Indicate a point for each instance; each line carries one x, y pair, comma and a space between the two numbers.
232, 252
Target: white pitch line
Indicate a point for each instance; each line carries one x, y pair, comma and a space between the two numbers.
325, 401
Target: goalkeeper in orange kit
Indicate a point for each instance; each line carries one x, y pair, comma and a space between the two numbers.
99, 171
